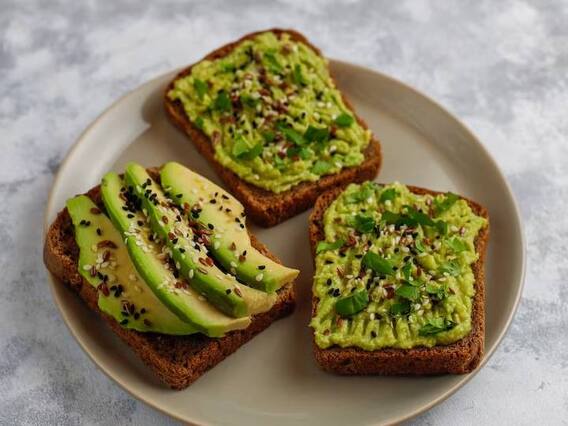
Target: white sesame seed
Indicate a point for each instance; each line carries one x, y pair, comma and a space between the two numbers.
259, 277
190, 273
86, 267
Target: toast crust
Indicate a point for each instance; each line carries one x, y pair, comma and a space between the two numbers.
460, 357
177, 360
264, 207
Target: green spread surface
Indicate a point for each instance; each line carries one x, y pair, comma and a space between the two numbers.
395, 269
273, 113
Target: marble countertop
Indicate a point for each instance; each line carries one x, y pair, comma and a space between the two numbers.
500, 66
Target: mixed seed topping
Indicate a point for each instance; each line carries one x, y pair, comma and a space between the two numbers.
395, 268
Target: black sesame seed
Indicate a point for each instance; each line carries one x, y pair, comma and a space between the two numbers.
99, 232
212, 201
140, 223
124, 322
396, 250
143, 310
242, 226
182, 250
179, 195
210, 226
228, 291
373, 334
129, 215
328, 282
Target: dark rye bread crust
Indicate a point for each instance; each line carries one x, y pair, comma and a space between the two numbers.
460, 357
264, 207
176, 360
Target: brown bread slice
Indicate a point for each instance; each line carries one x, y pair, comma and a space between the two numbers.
176, 360
460, 357
264, 207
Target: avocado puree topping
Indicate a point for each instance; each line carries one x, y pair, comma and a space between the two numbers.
395, 269
273, 113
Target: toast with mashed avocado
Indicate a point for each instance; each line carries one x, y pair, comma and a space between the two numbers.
266, 113
165, 258
399, 280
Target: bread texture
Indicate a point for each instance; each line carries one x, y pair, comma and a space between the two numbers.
264, 207
177, 360
460, 357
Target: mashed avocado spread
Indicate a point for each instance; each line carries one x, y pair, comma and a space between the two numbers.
273, 113
395, 269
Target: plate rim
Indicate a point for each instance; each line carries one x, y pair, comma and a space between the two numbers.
49, 207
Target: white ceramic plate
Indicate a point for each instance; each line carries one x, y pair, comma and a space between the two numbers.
274, 379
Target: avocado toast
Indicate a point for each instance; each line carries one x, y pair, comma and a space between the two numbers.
406, 293
146, 251
265, 112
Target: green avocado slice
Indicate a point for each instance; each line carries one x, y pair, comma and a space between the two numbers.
105, 264
210, 204
188, 247
151, 261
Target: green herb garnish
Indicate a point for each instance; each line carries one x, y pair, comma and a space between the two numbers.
298, 77
324, 245
222, 102
407, 291
400, 308
269, 136
291, 134
364, 224
438, 292
249, 101
452, 268
272, 62
388, 195
377, 264
363, 194
200, 87
242, 150
355, 302
344, 120
314, 134
199, 122
435, 326
443, 205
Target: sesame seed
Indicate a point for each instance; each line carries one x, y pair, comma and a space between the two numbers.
259, 277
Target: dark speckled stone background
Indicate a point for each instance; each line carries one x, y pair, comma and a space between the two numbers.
500, 66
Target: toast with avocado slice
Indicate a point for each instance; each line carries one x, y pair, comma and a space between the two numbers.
266, 113
121, 247
399, 280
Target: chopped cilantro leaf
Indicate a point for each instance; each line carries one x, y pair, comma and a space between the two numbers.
355, 302
242, 150
452, 268
388, 195
377, 264
222, 102
324, 245
272, 62
344, 120
457, 244
440, 206
407, 291
364, 224
435, 326
298, 77
199, 122
400, 308
314, 134
200, 87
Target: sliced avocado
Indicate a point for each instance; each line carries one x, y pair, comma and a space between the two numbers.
104, 263
231, 247
151, 260
188, 247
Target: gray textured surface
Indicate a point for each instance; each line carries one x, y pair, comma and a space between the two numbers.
500, 66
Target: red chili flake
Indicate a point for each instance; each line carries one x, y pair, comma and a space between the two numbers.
103, 288
238, 292
93, 271
147, 322
242, 258
171, 235
95, 210
340, 272
180, 284
209, 261
286, 49
390, 292
332, 130
203, 261
418, 271
106, 243
106, 255
281, 154
326, 333
233, 246
164, 219
186, 207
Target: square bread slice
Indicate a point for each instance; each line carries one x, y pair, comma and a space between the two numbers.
177, 360
460, 357
264, 207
